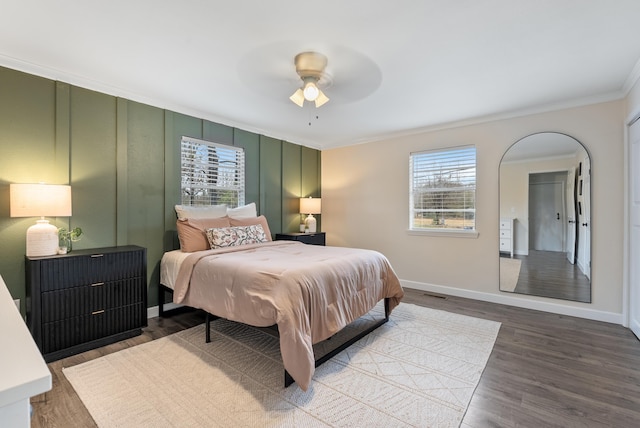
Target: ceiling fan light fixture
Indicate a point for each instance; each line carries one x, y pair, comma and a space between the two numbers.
321, 99
310, 67
298, 97
310, 91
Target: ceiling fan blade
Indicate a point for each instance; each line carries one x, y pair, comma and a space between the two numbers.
322, 99
298, 97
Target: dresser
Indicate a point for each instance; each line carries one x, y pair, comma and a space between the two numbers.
86, 299
506, 235
316, 238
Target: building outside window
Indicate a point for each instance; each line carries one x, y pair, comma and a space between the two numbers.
212, 174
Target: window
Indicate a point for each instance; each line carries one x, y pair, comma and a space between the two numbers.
443, 189
212, 174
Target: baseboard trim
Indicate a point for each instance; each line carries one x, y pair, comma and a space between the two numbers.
634, 326
518, 300
154, 311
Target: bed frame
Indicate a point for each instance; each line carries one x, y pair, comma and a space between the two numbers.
162, 292
288, 380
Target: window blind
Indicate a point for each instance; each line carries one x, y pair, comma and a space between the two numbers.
443, 188
212, 174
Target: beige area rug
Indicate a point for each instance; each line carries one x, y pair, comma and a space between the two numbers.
509, 273
419, 369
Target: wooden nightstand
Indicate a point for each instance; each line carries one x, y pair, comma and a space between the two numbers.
317, 238
86, 299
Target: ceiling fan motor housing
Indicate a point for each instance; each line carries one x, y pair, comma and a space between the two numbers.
310, 64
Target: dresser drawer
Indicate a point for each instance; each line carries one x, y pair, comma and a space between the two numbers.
87, 269
84, 300
505, 244
505, 225
66, 333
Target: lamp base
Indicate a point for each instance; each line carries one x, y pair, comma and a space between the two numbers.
42, 239
310, 222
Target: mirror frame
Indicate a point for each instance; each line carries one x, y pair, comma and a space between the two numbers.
540, 160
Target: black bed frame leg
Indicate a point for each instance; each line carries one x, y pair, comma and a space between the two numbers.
288, 380
160, 301
207, 327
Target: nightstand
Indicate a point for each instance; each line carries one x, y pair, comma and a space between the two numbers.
86, 299
317, 238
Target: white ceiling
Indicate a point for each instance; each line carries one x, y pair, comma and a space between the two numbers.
397, 67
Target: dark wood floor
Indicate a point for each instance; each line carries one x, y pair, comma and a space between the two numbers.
545, 370
549, 274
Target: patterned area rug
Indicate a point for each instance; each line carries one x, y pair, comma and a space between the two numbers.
509, 273
419, 369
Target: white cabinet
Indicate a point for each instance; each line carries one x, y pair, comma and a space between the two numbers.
23, 372
506, 235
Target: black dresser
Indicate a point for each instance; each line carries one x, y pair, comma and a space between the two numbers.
86, 299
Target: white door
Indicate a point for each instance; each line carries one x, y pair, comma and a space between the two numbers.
586, 224
546, 216
634, 219
571, 216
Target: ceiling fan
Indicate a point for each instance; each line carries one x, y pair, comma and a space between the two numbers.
310, 67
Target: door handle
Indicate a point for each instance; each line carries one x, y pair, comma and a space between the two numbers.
558, 216
585, 224
571, 221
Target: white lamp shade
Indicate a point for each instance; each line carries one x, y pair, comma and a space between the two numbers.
322, 99
40, 200
310, 205
298, 97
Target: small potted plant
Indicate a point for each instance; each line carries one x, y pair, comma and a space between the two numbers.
66, 237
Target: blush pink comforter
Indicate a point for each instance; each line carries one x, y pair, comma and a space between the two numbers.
311, 292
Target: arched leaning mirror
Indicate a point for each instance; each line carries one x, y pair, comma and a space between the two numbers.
545, 218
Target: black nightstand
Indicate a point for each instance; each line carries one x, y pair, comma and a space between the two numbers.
317, 238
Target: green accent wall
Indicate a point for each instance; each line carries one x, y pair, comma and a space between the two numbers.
122, 159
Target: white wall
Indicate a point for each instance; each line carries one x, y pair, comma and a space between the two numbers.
365, 201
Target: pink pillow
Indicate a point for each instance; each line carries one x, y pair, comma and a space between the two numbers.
261, 220
192, 232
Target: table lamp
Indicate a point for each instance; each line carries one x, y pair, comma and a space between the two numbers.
310, 206
40, 200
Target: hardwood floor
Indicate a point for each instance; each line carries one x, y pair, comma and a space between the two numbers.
549, 274
545, 370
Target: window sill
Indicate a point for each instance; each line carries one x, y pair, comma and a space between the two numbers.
451, 233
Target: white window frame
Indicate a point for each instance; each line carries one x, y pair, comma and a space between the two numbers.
459, 162
211, 173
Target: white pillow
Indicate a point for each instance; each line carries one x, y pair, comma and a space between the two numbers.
245, 211
201, 211
235, 236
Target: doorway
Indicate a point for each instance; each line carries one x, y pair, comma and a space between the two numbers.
547, 211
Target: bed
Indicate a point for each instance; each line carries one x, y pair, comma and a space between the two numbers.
309, 292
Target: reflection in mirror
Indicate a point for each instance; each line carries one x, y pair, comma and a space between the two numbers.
545, 224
